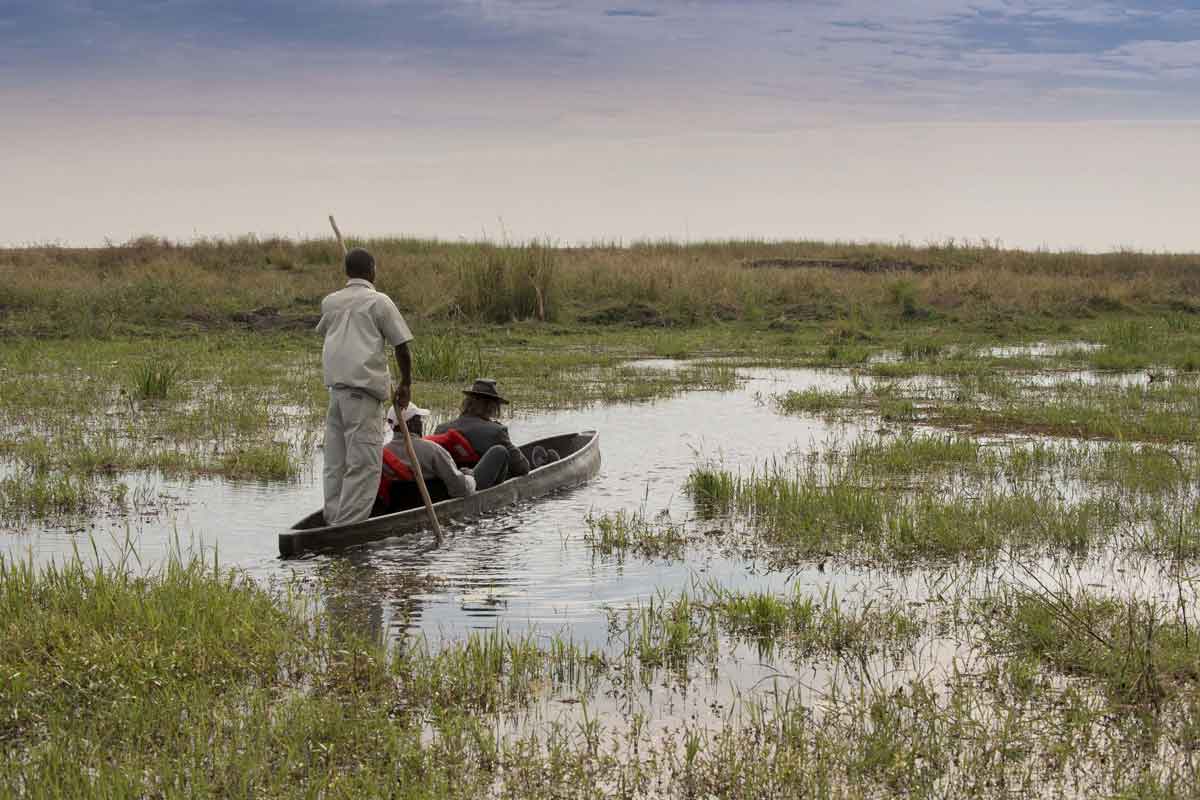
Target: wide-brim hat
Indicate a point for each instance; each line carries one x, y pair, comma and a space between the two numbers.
411, 410
485, 387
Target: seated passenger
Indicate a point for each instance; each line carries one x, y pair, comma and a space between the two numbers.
397, 483
476, 439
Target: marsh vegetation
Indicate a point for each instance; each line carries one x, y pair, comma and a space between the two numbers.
958, 559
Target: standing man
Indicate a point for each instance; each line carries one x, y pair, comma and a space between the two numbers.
356, 322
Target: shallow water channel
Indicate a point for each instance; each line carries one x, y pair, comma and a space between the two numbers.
526, 566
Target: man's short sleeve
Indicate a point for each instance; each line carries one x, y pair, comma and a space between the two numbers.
391, 323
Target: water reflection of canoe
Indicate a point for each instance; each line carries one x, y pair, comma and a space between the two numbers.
580, 460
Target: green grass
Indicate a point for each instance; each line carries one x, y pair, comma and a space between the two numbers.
676, 637
44, 496
154, 381
253, 407
150, 285
452, 358
1133, 343
271, 462
927, 495
665, 633
921, 349
493, 671
912, 453
991, 401
811, 628
1082, 409
195, 681
808, 514
1140, 652
810, 401
623, 533
192, 681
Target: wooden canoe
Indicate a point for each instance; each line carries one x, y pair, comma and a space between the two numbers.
579, 461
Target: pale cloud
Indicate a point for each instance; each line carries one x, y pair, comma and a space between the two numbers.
583, 119
765, 62
1154, 59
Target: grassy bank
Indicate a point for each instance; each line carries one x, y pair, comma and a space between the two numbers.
149, 285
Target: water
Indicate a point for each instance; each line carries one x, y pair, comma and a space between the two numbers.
527, 567
530, 569
1039, 349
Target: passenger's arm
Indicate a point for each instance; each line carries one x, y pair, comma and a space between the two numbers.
457, 484
400, 454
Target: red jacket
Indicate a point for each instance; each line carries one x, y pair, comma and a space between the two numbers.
457, 446
397, 466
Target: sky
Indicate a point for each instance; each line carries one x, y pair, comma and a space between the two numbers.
1061, 124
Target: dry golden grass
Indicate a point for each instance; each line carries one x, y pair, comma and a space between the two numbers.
146, 283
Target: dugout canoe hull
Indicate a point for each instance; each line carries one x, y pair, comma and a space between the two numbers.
580, 462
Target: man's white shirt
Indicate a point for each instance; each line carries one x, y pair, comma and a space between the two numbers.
357, 321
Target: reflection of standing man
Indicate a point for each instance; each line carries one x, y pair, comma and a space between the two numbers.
356, 321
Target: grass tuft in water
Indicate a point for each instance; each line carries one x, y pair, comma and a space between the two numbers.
808, 513
1140, 652
626, 532
154, 381
814, 627
809, 401
272, 461
49, 496
666, 632
451, 359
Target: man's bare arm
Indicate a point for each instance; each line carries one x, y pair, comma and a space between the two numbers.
404, 390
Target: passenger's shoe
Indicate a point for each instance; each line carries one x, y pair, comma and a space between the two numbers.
542, 456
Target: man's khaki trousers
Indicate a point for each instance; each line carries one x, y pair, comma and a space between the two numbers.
353, 455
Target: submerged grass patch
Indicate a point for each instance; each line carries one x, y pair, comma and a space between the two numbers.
64, 499
809, 627
1151, 413
929, 495
1139, 651
991, 402
674, 631
668, 632
622, 533
154, 381
912, 454
274, 461
805, 516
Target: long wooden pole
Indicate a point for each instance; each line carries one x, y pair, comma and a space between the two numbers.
408, 445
